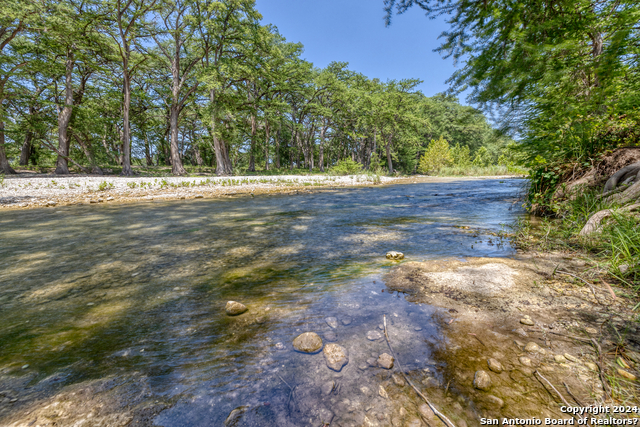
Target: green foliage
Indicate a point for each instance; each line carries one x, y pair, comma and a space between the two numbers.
482, 157
104, 186
346, 167
435, 157
460, 155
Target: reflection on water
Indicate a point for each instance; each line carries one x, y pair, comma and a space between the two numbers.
98, 291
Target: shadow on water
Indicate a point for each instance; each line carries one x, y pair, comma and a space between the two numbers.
94, 292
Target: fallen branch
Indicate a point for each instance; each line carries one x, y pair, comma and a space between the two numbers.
478, 339
440, 415
571, 394
554, 389
593, 223
51, 147
605, 385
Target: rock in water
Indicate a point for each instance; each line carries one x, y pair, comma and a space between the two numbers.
332, 322
235, 416
309, 342
234, 308
482, 380
330, 336
385, 361
395, 255
336, 356
373, 335
495, 366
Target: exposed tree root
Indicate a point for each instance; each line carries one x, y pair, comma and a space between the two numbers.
630, 194
627, 172
595, 221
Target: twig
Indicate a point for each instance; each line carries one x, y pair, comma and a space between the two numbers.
580, 278
610, 289
554, 389
440, 415
571, 394
478, 339
605, 385
282, 379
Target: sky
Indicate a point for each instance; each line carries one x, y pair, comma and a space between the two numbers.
354, 31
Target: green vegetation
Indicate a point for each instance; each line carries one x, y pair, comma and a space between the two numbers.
200, 86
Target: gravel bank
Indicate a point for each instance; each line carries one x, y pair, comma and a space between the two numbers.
20, 192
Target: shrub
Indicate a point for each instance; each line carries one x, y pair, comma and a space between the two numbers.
435, 157
346, 167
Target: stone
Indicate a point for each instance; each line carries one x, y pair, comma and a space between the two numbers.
591, 331
527, 321
522, 332
325, 415
382, 392
332, 322
363, 366
372, 361
374, 335
495, 366
560, 358
279, 346
482, 380
347, 321
571, 358
110, 199
336, 356
261, 320
494, 401
623, 268
526, 361
330, 336
385, 361
308, 342
627, 375
235, 416
532, 348
417, 329
51, 203
591, 366
198, 196
328, 387
25, 366
398, 380
234, 308
394, 255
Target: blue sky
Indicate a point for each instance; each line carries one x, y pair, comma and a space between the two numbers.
353, 31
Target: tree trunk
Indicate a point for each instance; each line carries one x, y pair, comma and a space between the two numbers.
25, 153
64, 117
252, 159
278, 145
223, 161
389, 164
266, 145
126, 127
4, 161
176, 162
147, 151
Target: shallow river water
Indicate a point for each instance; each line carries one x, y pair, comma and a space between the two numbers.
136, 294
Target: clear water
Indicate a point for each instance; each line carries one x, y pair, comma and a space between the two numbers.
126, 291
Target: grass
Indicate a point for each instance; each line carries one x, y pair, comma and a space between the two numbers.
615, 250
472, 170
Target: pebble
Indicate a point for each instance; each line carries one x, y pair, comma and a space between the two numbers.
382, 392
482, 380
398, 380
526, 361
571, 358
591, 331
198, 196
385, 361
110, 199
308, 342
234, 308
591, 366
279, 346
494, 401
235, 416
417, 328
560, 358
372, 361
363, 366
25, 366
51, 203
533, 348
527, 321
627, 375
373, 335
336, 356
328, 387
521, 332
495, 366
395, 255
332, 322
347, 321
330, 336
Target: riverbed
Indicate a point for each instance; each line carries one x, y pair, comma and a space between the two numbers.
120, 309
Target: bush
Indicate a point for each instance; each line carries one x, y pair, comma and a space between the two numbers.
437, 156
346, 167
461, 155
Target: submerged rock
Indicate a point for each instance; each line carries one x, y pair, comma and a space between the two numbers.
382, 392
395, 255
328, 387
373, 335
332, 322
495, 366
482, 380
533, 348
398, 380
385, 361
335, 356
235, 416
347, 321
234, 308
308, 342
330, 336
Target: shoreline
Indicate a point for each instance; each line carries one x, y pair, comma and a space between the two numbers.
46, 190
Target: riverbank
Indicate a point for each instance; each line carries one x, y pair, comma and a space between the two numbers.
49, 190
526, 325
